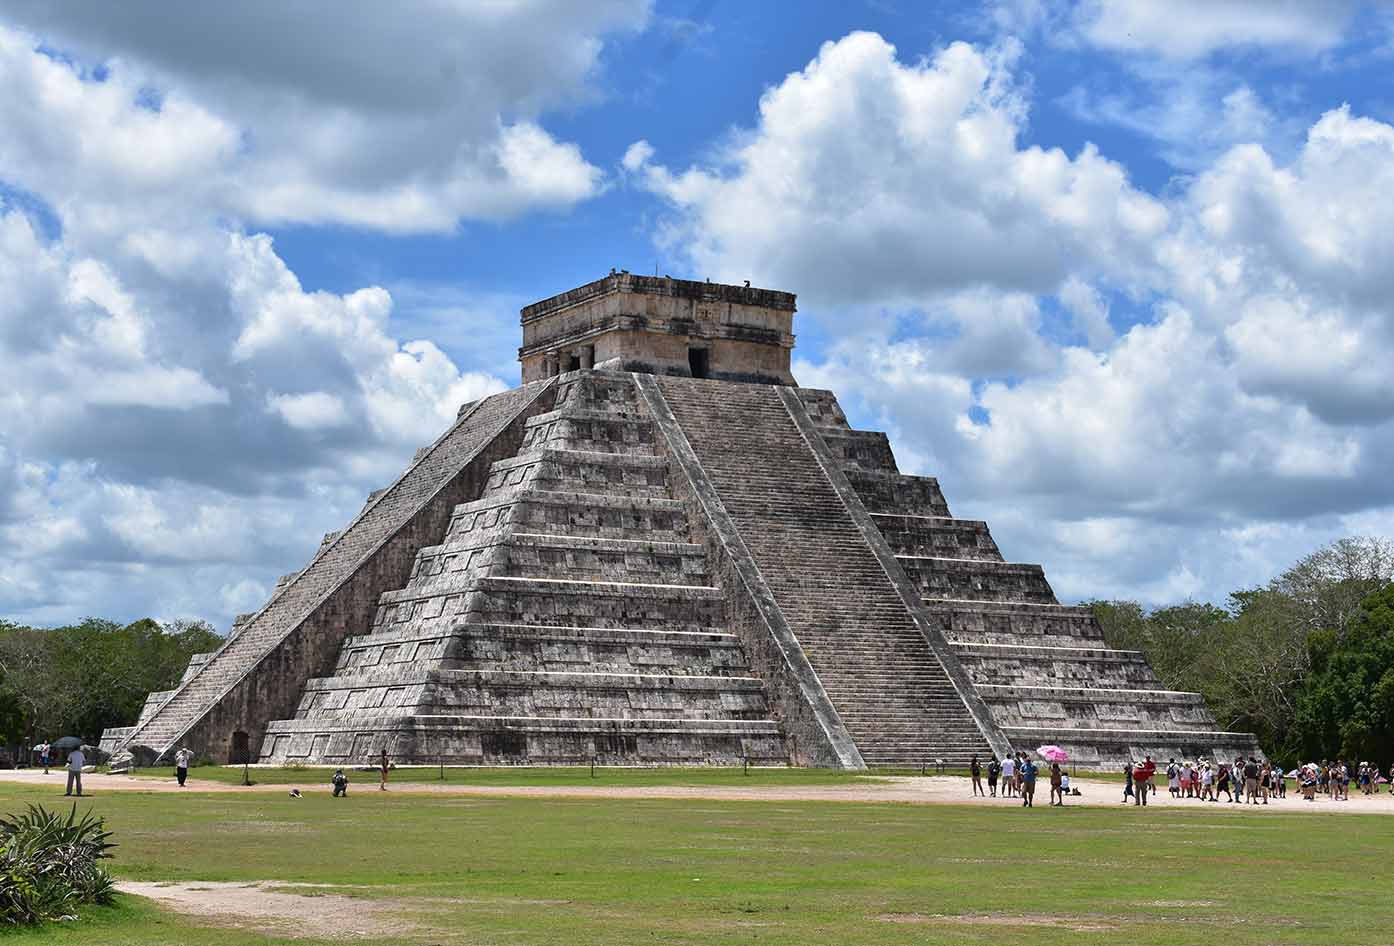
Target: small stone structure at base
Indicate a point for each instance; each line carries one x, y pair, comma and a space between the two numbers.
636, 559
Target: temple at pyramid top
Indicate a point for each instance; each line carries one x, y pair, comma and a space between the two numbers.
661, 325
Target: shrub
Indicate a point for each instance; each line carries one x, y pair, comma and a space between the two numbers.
48, 865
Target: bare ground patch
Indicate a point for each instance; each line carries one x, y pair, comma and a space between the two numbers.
269, 908
1077, 923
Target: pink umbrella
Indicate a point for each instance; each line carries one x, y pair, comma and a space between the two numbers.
1053, 753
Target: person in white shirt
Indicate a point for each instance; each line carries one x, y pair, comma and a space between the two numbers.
76, 760
1009, 776
181, 764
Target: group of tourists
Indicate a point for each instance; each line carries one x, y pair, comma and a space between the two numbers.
1333, 779
1016, 774
1251, 780
1257, 781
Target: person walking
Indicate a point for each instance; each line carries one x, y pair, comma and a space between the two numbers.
1173, 778
1057, 796
1251, 781
181, 764
1222, 785
382, 786
76, 760
994, 769
975, 770
1026, 770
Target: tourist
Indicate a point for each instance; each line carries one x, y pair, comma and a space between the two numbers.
1173, 778
1065, 784
382, 786
1008, 776
1021, 760
1238, 773
44, 751
1026, 771
1207, 782
994, 769
1057, 795
1222, 784
975, 770
1251, 781
181, 764
1185, 780
1127, 781
340, 782
76, 760
1142, 780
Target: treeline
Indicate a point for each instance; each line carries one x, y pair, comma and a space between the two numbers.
1306, 662
79, 679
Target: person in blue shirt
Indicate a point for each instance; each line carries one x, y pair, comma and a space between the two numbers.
1028, 783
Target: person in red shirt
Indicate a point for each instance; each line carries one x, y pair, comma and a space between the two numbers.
1142, 780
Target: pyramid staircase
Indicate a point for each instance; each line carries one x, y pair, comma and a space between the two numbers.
1042, 668
887, 684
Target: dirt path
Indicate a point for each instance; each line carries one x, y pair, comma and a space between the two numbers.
940, 790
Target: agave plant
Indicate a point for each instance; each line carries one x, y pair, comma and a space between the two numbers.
48, 864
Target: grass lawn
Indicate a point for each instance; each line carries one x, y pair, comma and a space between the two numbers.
456, 870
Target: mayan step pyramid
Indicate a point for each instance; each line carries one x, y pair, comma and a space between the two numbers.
660, 550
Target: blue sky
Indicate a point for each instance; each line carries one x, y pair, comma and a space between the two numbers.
1117, 272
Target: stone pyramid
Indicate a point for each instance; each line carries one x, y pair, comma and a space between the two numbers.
660, 550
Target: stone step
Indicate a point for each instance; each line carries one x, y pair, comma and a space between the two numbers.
560, 470
594, 604
860, 449
556, 513
542, 601
1016, 623
534, 693
899, 493
540, 647
948, 578
823, 408
442, 568
937, 536
504, 740
597, 431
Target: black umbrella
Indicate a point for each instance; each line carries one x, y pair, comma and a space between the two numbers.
67, 742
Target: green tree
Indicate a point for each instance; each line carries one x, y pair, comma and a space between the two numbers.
1346, 707
82, 678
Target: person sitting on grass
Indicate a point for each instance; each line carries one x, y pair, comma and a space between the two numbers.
340, 782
